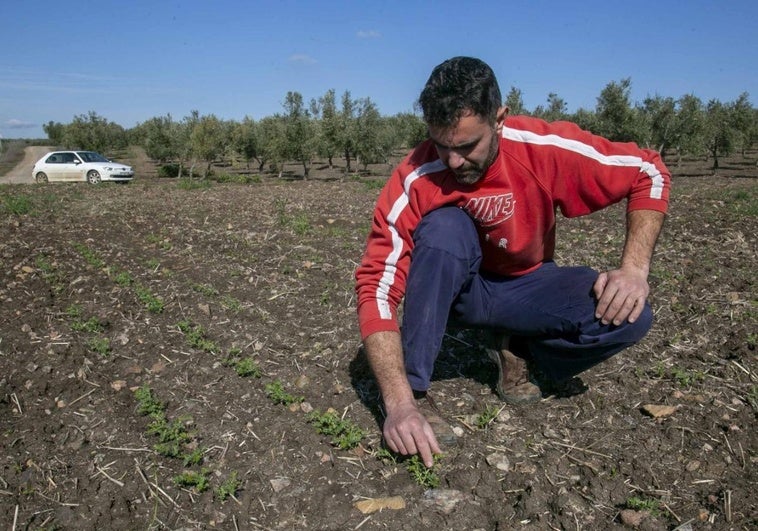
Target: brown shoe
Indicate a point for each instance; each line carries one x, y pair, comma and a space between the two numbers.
513, 384
442, 430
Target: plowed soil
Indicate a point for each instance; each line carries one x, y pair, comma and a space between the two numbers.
111, 289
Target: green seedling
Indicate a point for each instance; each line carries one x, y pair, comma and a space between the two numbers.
229, 487
124, 279
91, 325
196, 337
153, 303
247, 367
275, 391
205, 289
426, 477
100, 345
344, 434
486, 417
232, 304
195, 457
89, 256
644, 504
17, 205
192, 479
147, 404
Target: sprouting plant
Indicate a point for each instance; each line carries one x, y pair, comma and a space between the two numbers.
229, 487
426, 477
275, 391
100, 345
147, 404
344, 434
89, 256
247, 367
205, 289
91, 325
17, 204
123, 279
190, 478
485, 417
195, 457
644, 504
231, 303
196, 337
153, 303
384, 454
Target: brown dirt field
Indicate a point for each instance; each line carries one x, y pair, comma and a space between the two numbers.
110, 289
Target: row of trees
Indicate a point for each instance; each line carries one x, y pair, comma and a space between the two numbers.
354, 131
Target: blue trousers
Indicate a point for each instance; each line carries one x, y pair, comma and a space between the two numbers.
552, 309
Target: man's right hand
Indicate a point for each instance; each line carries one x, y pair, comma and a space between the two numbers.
406, 431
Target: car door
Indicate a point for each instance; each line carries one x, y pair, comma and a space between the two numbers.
73, 167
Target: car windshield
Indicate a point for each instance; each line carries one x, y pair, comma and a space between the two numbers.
91, 156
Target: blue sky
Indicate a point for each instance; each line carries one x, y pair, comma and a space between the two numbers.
131, 61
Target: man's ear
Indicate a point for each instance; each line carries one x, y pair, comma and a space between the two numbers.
502, 112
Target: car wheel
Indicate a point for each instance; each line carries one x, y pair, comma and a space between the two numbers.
41, 177
93, 177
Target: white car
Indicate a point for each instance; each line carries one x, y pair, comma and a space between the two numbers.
80, 166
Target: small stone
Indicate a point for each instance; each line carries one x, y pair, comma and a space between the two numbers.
458, 431
659, 411
503, 417
205, 308
703, 514
444, 499
302, 381
26, 328
707, 447
632, 518
306, 407
279, 484
118, 385
498, 461
693, 465
373, 505
31, 366
550, 433
338, 388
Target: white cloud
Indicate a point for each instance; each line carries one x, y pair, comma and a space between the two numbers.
370, 34
13, 123
302, 59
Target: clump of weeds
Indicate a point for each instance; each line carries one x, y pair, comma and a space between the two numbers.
275, 391
344, 434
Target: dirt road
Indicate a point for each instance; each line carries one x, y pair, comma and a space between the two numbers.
22, 174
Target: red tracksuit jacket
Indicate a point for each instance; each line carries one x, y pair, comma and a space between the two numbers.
540, 167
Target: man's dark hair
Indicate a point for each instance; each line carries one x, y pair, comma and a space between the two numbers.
457, 85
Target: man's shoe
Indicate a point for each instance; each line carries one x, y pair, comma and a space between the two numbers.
442, 430
513, 383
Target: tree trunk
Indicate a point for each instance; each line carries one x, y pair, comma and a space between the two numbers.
305, 170
347, 161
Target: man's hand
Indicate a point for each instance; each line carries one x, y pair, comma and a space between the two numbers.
407, 432
621, 295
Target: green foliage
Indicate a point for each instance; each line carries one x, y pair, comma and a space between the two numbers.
275, 391
649, 505
247, 367
195, 457
229, 487
89, 256
426, 477
205, 289
196, 480
169, 171
231, 303
196, 337
100, 345
193, 184
153, 303
18, 205
344, 434
147, 404
124, 278
91, 325
487, 416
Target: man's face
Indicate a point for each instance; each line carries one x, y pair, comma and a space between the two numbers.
470, 146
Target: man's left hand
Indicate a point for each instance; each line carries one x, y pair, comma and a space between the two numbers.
621, 295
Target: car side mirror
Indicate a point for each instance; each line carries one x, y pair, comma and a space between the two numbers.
77, 162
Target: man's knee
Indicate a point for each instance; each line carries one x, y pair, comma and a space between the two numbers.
448, 229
